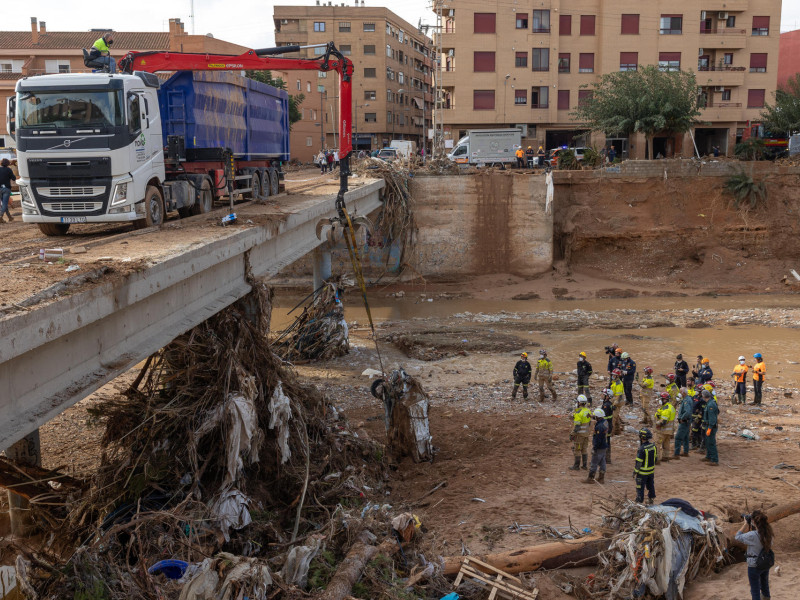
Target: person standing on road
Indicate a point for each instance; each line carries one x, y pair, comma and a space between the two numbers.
759, 372
684, 419
6, 177
740, 379
681, 370
599, 446
644, 470
690, 389
705, 372
612, 155
628, 368
608, 409
544, 376
646, 395
710, 421
696, 370
618, 390
322, 161
522, 375
756, 533
584, 373
581, 418
520, 154
665, 424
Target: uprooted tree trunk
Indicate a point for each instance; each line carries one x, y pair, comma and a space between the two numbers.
350, 569
406, 415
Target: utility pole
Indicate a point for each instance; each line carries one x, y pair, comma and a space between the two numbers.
322, 121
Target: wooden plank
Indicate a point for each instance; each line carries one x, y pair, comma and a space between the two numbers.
490, 569
507, 589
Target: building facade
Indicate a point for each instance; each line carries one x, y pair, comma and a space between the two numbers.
789, 58
309, 133
528, 63
392, 81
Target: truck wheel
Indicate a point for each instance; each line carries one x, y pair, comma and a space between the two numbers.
266, 184
153, 209
255, 186
54, 228
274, 182
205, 199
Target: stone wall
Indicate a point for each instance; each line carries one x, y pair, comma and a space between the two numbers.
681, 168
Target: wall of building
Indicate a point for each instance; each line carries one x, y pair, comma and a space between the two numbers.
789, 58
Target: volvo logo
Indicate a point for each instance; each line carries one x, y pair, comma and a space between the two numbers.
67, 143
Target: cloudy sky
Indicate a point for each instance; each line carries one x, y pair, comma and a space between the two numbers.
248, 22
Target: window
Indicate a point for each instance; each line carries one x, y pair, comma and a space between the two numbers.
319, 25
135, 112
369, 72
344, 27
587, 24
669, 61
319, 51
483, 100
346, 49
12, 66
539, 97
313, 115
586, 63
731, 22
671, 24
760, 25
309, 141
565, 25
726, 95
563, 63
484, 22
541, 21
320, 88
584, 96
521, 59
401, 78
389, 96
389, 116
755, 98
369, 49
728, 58
308, 87
563, 99
630, 25
483, 62
758, 63
321, 74
56, 66
520, 97
369, 27
540, 59
370, 95
628, 61
522, 21
388, 51
370, 117
299, 85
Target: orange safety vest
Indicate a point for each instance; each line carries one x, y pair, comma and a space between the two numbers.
740, 371
520, 153
759, 370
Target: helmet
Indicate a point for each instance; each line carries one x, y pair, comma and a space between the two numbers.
757, 355
664, 396
524, 355
608, 392
711, 384
742, 358
618, 350
583, 354
671, 376
645, 433
704, 361
625, 355
529, 148
581, 399
708, 387
648, 370
543, 352
599, 413
616, 372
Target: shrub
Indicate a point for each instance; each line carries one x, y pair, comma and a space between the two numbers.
744, 188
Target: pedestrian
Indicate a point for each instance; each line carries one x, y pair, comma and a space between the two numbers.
644, 471
599, 447
608, 409
544, 375
628, 368
520, 154
671, 387
612, 155
540, 156
756, 533
581, 419
705, 373
665, 424
646, 395
715, 149
759, 372
612, 359
329, 159
618, 390
740, 379
710, 421
584, 373
6, 177
684, 419
336, 158
522, 376
322, 161
681, 370
696, 371
698, 431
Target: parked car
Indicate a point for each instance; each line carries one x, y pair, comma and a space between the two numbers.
388, 154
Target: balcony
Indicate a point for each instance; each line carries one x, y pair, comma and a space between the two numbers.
723, 38
721, 76
448, 78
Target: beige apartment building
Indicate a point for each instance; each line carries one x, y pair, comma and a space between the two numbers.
526, 63
392, 82
309, 133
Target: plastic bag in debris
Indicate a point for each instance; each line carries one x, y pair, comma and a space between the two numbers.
406, 525
747, 434
548, 179
202, 584
231, 511
244, 578
681, 519
295, 571
682, 548
280, 410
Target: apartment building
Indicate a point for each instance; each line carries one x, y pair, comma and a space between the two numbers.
392, 81
309, 133
528, 63
789, 57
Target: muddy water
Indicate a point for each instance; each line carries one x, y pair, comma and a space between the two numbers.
655, 346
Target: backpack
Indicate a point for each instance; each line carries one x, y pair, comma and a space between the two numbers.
765, 560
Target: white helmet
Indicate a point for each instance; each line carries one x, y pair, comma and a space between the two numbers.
599, 413
581, 399
608, 392
742, 359
624, 355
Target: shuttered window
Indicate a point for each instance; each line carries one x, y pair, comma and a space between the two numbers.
583, 96
485, 22
760, 25
565, 25
755, 98
669, 61
483, 100
628, 61
520, 97
521, 59
587, 24
630, 24
563, 99
586, 63
483, 62
758, 63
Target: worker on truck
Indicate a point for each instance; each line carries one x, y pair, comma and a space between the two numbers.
101, 53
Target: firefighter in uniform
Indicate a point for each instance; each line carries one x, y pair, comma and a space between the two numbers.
672, 388
628, 368
618, 391
644, 471
582, 419
646, 394
710, 420
599, 446
684, 419
544, 375
522, 375
698, 433
608, 409
740, 378
665, 424
584, 373
759, 372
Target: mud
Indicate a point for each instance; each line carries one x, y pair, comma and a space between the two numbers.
438, 343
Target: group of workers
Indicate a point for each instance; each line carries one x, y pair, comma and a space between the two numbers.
529, 157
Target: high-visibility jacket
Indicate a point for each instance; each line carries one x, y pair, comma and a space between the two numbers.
666, 414
646, 459
648, 383
740, 372
618, 388
692, 392
582, 418
544, 368
520, 153
101, 46
673, 390
759, 371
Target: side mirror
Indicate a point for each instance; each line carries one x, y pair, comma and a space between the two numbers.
11, 113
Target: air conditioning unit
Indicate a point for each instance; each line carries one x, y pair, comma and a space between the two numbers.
451, 13
284, 21
702, 15
720, 88
723, 16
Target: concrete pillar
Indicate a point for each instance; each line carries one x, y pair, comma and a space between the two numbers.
28, 451
322, 265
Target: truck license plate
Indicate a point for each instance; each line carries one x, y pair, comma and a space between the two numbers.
73, 219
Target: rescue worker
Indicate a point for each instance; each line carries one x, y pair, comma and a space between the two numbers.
628, 368
710, 421
608, 409
540, 155
665, 424
584, 373
671, 388
617, 390
520, 154
698, 432
529, 154
522, 375
544, 375
644, 470
613, 359
690, 389
681, 370
599, 447
684, 419
759, 372
740, 378
705, 373
582, 418
646, 394
696, 371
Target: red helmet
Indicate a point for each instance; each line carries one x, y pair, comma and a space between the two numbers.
648, 370
711, 383
671, 376
616, 372
664, 396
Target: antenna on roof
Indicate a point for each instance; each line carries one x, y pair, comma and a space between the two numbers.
191, 13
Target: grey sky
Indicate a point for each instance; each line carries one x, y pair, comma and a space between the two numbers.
248, 22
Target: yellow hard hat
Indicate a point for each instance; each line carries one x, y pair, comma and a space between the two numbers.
708, 387
524, 355
583, 354
529, 148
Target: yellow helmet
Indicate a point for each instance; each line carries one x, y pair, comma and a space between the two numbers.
708, 387
583, 354
524, 355
529, 148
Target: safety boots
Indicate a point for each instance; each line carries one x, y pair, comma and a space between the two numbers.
589, 477
576, 465
601, 478
584, 460
514, 392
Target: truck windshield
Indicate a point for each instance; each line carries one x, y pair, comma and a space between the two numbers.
69, 108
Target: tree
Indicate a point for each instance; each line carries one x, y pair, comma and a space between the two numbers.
784, 116
294, 100
648, 101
